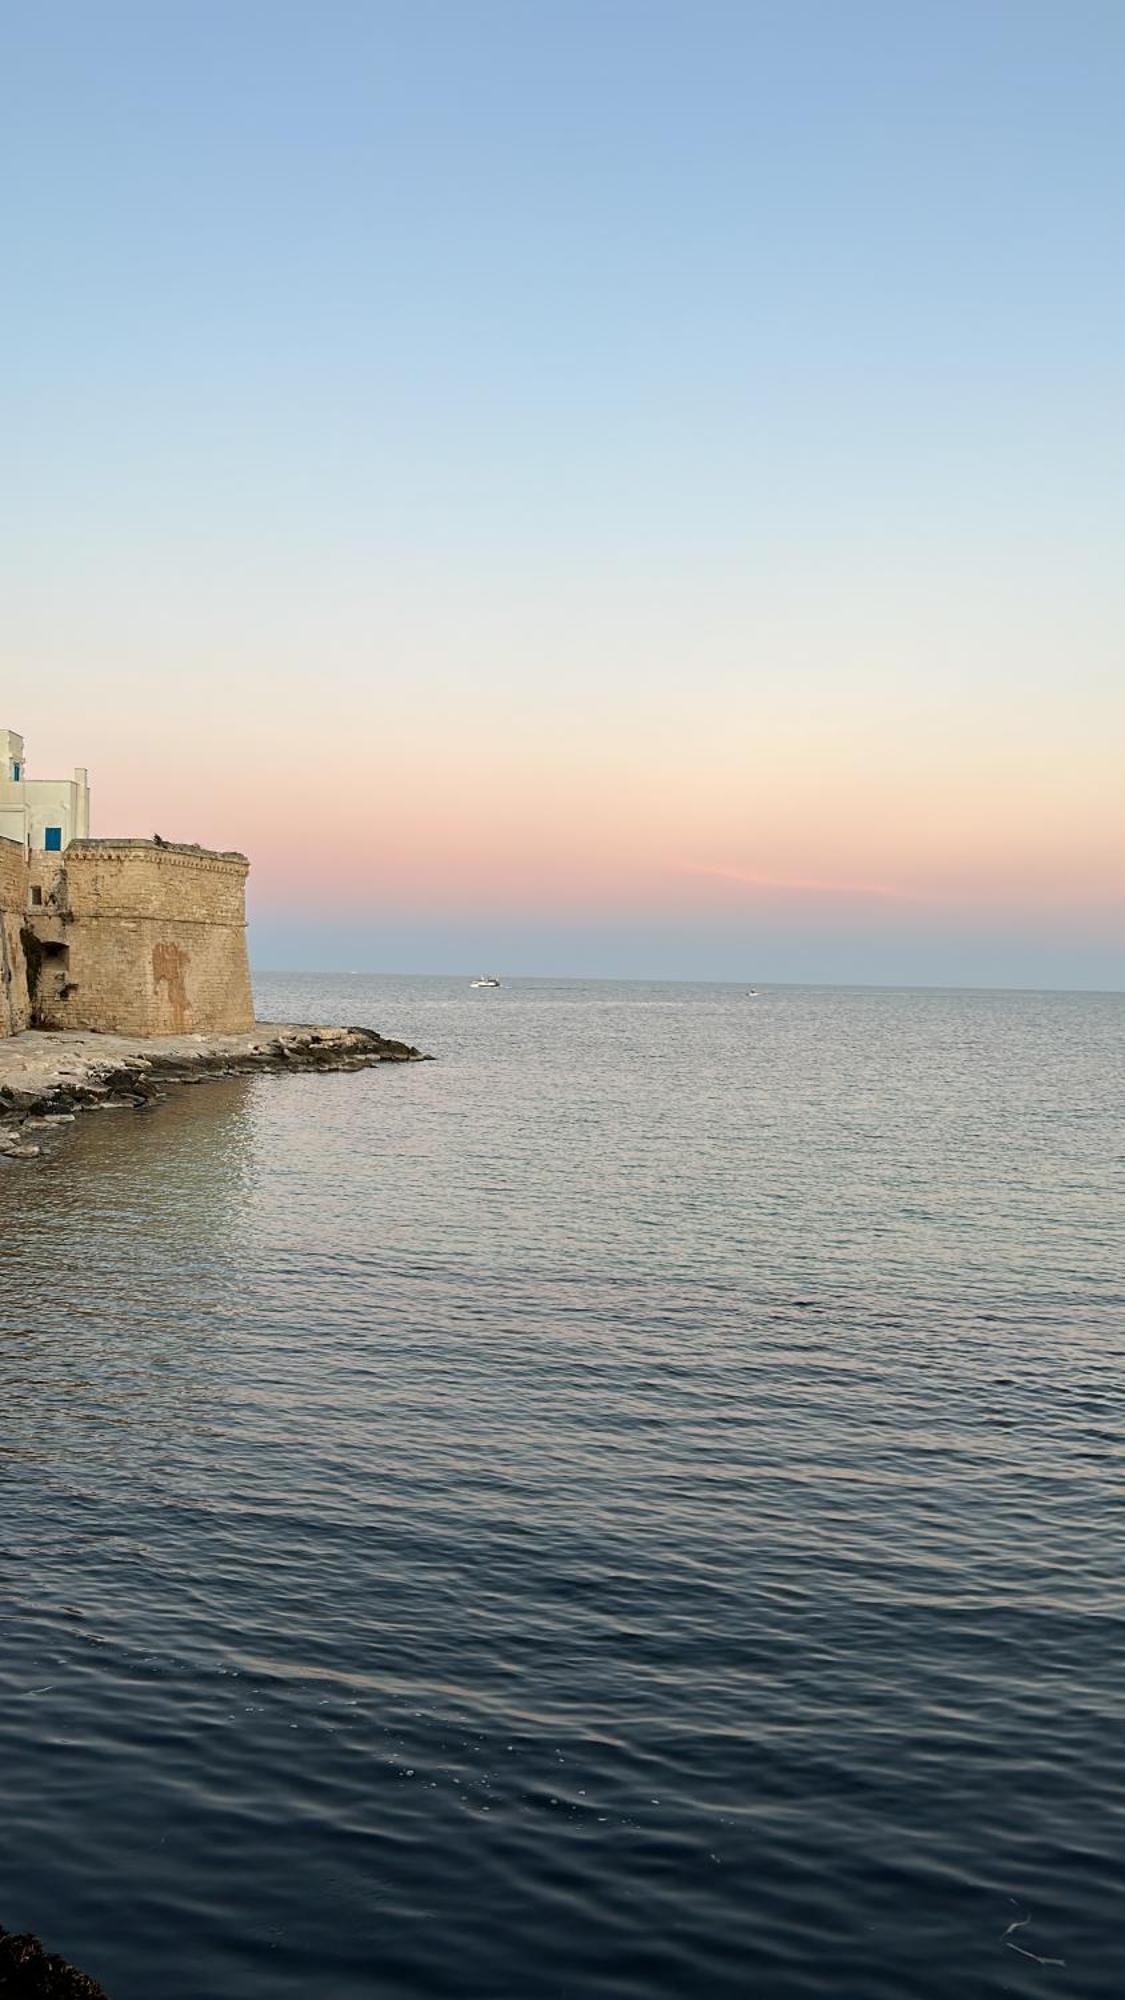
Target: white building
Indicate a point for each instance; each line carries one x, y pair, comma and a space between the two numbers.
43, 814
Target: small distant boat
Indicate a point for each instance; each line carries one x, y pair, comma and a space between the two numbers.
751, 993
486, 979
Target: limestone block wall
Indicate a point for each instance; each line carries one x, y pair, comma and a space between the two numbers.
15, 1007
137, 878
46, 881
140, 939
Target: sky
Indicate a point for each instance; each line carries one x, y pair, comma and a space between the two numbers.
581, 486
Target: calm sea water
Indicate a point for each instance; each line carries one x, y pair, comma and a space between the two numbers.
632, 1509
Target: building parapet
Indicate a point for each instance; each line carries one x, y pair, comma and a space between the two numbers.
159, 850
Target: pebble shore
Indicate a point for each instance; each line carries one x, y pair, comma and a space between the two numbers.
49, 1078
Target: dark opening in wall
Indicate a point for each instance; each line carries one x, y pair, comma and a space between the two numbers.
33, 959
37, 953
36, 896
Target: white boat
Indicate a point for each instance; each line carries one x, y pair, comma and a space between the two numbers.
486, 979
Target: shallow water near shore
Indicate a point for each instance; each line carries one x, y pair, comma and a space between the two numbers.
630, 1509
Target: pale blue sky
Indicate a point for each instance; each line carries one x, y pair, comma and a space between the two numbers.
482, 360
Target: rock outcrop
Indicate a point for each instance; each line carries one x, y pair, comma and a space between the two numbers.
27, 1972
47, 1079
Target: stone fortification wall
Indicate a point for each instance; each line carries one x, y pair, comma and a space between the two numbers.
137, 938
137, 878
46, 879
15, 1007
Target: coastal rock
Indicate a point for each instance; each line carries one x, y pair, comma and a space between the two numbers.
14, 1147
27, 1972
47, 1077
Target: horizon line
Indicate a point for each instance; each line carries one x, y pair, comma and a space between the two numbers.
640, 979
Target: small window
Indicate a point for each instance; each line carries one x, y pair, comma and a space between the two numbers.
52, 839
15, 774
36, 896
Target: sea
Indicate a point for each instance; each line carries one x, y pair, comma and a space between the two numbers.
630, 1509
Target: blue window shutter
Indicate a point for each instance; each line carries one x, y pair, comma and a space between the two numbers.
52, 839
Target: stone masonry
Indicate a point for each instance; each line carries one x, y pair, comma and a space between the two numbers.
15, 1006
131, 937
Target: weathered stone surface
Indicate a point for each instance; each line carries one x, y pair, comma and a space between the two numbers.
27, 1972
140, 937
148, 938
15, 1001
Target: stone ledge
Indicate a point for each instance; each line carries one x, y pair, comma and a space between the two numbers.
213, 859
134, 915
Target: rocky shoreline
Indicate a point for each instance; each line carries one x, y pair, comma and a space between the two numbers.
49, 1078
27, 1972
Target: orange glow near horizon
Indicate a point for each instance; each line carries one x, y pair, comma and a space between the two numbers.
631, 789
542, 834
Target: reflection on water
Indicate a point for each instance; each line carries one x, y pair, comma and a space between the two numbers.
118, 1262
627, 1509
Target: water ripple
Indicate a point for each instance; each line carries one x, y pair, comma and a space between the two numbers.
632, 1509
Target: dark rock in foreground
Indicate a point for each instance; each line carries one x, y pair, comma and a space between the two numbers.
27, 1972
